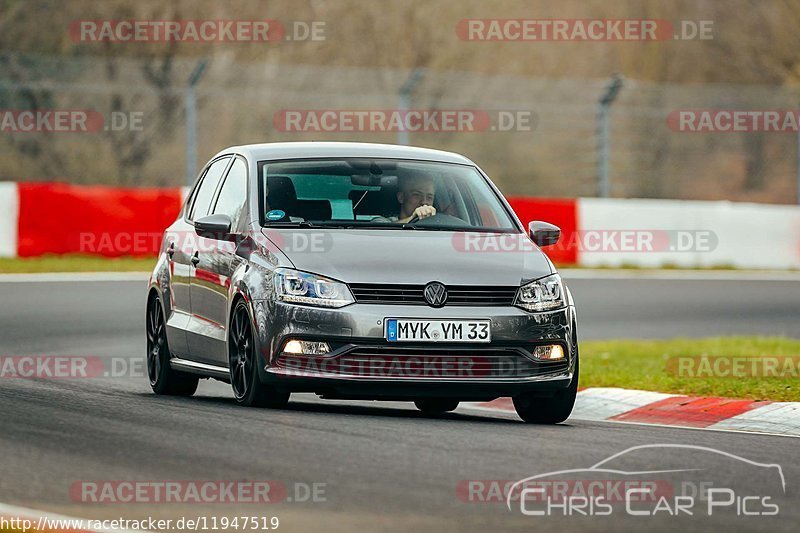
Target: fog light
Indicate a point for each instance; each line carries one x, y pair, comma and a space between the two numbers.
549, 352
297, 347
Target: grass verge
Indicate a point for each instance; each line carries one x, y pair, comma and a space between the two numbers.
655, 365
75, 263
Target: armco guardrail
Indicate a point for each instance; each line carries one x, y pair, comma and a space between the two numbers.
40, 218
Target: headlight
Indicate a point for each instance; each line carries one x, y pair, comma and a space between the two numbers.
303, 288
541, 295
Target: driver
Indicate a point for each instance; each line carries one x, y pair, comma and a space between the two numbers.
416, 198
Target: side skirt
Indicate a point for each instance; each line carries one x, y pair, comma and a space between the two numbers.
202, 369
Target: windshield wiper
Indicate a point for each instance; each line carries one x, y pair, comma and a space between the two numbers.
373, 226
306, 224
345, 225
301, 224
413, 225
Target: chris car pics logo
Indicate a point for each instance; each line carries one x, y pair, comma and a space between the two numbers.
684, 480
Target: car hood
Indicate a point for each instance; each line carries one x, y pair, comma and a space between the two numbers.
412, 256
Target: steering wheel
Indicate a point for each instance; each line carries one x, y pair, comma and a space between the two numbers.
439, 219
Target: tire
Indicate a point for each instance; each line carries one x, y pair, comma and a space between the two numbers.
248, 390
436, 406
163, 379
553, 410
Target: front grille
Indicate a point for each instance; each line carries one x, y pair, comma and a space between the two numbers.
400, 362
474, 295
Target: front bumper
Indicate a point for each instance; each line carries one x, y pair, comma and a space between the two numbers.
465, 371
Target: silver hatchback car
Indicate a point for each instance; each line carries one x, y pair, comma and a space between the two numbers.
360, 271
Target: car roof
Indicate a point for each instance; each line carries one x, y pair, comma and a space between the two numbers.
315, 149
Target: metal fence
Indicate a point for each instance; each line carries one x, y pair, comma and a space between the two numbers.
141, 137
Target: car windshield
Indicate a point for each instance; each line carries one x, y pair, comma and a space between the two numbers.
380, 193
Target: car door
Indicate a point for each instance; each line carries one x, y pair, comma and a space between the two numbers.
180, 247
179, 253
211, 280
201, 205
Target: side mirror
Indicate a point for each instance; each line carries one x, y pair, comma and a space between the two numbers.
214, 227
543, 234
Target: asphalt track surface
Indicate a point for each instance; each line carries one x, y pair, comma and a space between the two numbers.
381, 466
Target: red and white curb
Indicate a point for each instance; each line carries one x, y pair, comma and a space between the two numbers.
656, 408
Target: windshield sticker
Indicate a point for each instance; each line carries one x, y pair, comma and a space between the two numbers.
275, 214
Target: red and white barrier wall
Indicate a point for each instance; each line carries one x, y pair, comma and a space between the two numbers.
57, 218
9, 215
40, 218
688, 233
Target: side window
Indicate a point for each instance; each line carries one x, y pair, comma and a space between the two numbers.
233, 195
205, 192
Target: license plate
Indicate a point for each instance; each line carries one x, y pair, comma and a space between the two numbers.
403, 329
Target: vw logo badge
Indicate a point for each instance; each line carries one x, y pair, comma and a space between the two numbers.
435, 294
